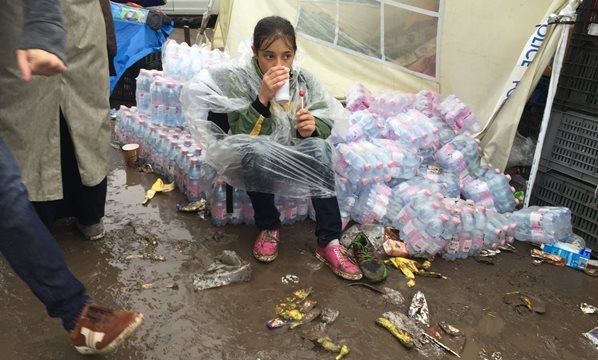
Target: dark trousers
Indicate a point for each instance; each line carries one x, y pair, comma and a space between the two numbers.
86, 203
328, 217
31, 250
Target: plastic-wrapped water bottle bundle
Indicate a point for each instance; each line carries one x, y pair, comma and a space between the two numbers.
371, 205
458, 115
427, 101
438, 175
542, 224
357, 98
413, 128
362, 125
403, 193
391, 103
182, 62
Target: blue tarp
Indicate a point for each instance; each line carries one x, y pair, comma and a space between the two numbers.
135, 41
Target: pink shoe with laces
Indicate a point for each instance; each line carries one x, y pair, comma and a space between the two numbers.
340, 261
265, 248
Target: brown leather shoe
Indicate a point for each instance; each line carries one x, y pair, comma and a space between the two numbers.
100, 330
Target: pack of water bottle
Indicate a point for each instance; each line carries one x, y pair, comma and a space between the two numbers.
372, 204
435, 173
182, 62
357, 98
542, 224
391, 103
362, 125
364, 162
458, 115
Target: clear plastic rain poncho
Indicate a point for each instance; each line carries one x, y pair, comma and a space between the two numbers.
281, 163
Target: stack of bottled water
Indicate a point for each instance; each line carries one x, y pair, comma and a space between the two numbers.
391, 103
404, 192
362, 125
182, 62
458, 115
438, 175
540, 224
357, 98
371, 205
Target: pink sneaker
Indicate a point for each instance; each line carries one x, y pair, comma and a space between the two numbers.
340, 261
265, 248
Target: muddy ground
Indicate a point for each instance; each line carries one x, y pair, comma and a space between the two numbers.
228, 322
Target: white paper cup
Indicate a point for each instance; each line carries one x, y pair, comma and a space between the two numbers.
130, 152
283, 94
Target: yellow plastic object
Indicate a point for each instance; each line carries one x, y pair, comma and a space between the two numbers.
403, 336
157, 187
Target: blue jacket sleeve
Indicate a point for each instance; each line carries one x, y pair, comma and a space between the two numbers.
43, 27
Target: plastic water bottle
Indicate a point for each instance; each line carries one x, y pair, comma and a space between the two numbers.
218, 203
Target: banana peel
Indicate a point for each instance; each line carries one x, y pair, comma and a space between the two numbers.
405, 338
157, 187
291, 308
410, 268
326, 343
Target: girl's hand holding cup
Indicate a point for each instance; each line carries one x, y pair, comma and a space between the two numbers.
274, 82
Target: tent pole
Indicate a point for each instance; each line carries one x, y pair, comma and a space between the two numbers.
569, 12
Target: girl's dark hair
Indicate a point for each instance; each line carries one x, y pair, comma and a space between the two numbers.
272, 28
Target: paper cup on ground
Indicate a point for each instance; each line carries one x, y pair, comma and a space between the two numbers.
283, 94
130, 151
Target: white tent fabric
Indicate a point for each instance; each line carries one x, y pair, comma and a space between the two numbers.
478, 45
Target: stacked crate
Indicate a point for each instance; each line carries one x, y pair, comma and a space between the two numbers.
568, 172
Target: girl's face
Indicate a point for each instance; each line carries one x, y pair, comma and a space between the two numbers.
279, 53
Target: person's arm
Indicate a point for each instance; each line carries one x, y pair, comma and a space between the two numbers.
43, 27
255, 120
41, 48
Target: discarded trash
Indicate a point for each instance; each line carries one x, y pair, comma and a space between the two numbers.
289, 279
540, 256
588, 309
592, 335
403, 336
393, 246
158, 186
418, 309
375, 234
289, 309
448, 337
573, 256
326, 343
146, 168
437, 342
489, 252
532, 303
592, 268
393, 296
373, 288
194, 206
229, 268
488, 260
309, 316
410, 268
329, 315
508, 247
308, 305
173, 286
147, 256
276, 323
497, 355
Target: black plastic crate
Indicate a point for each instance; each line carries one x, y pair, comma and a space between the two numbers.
578, 83
124, 91
556, 189
571, 146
